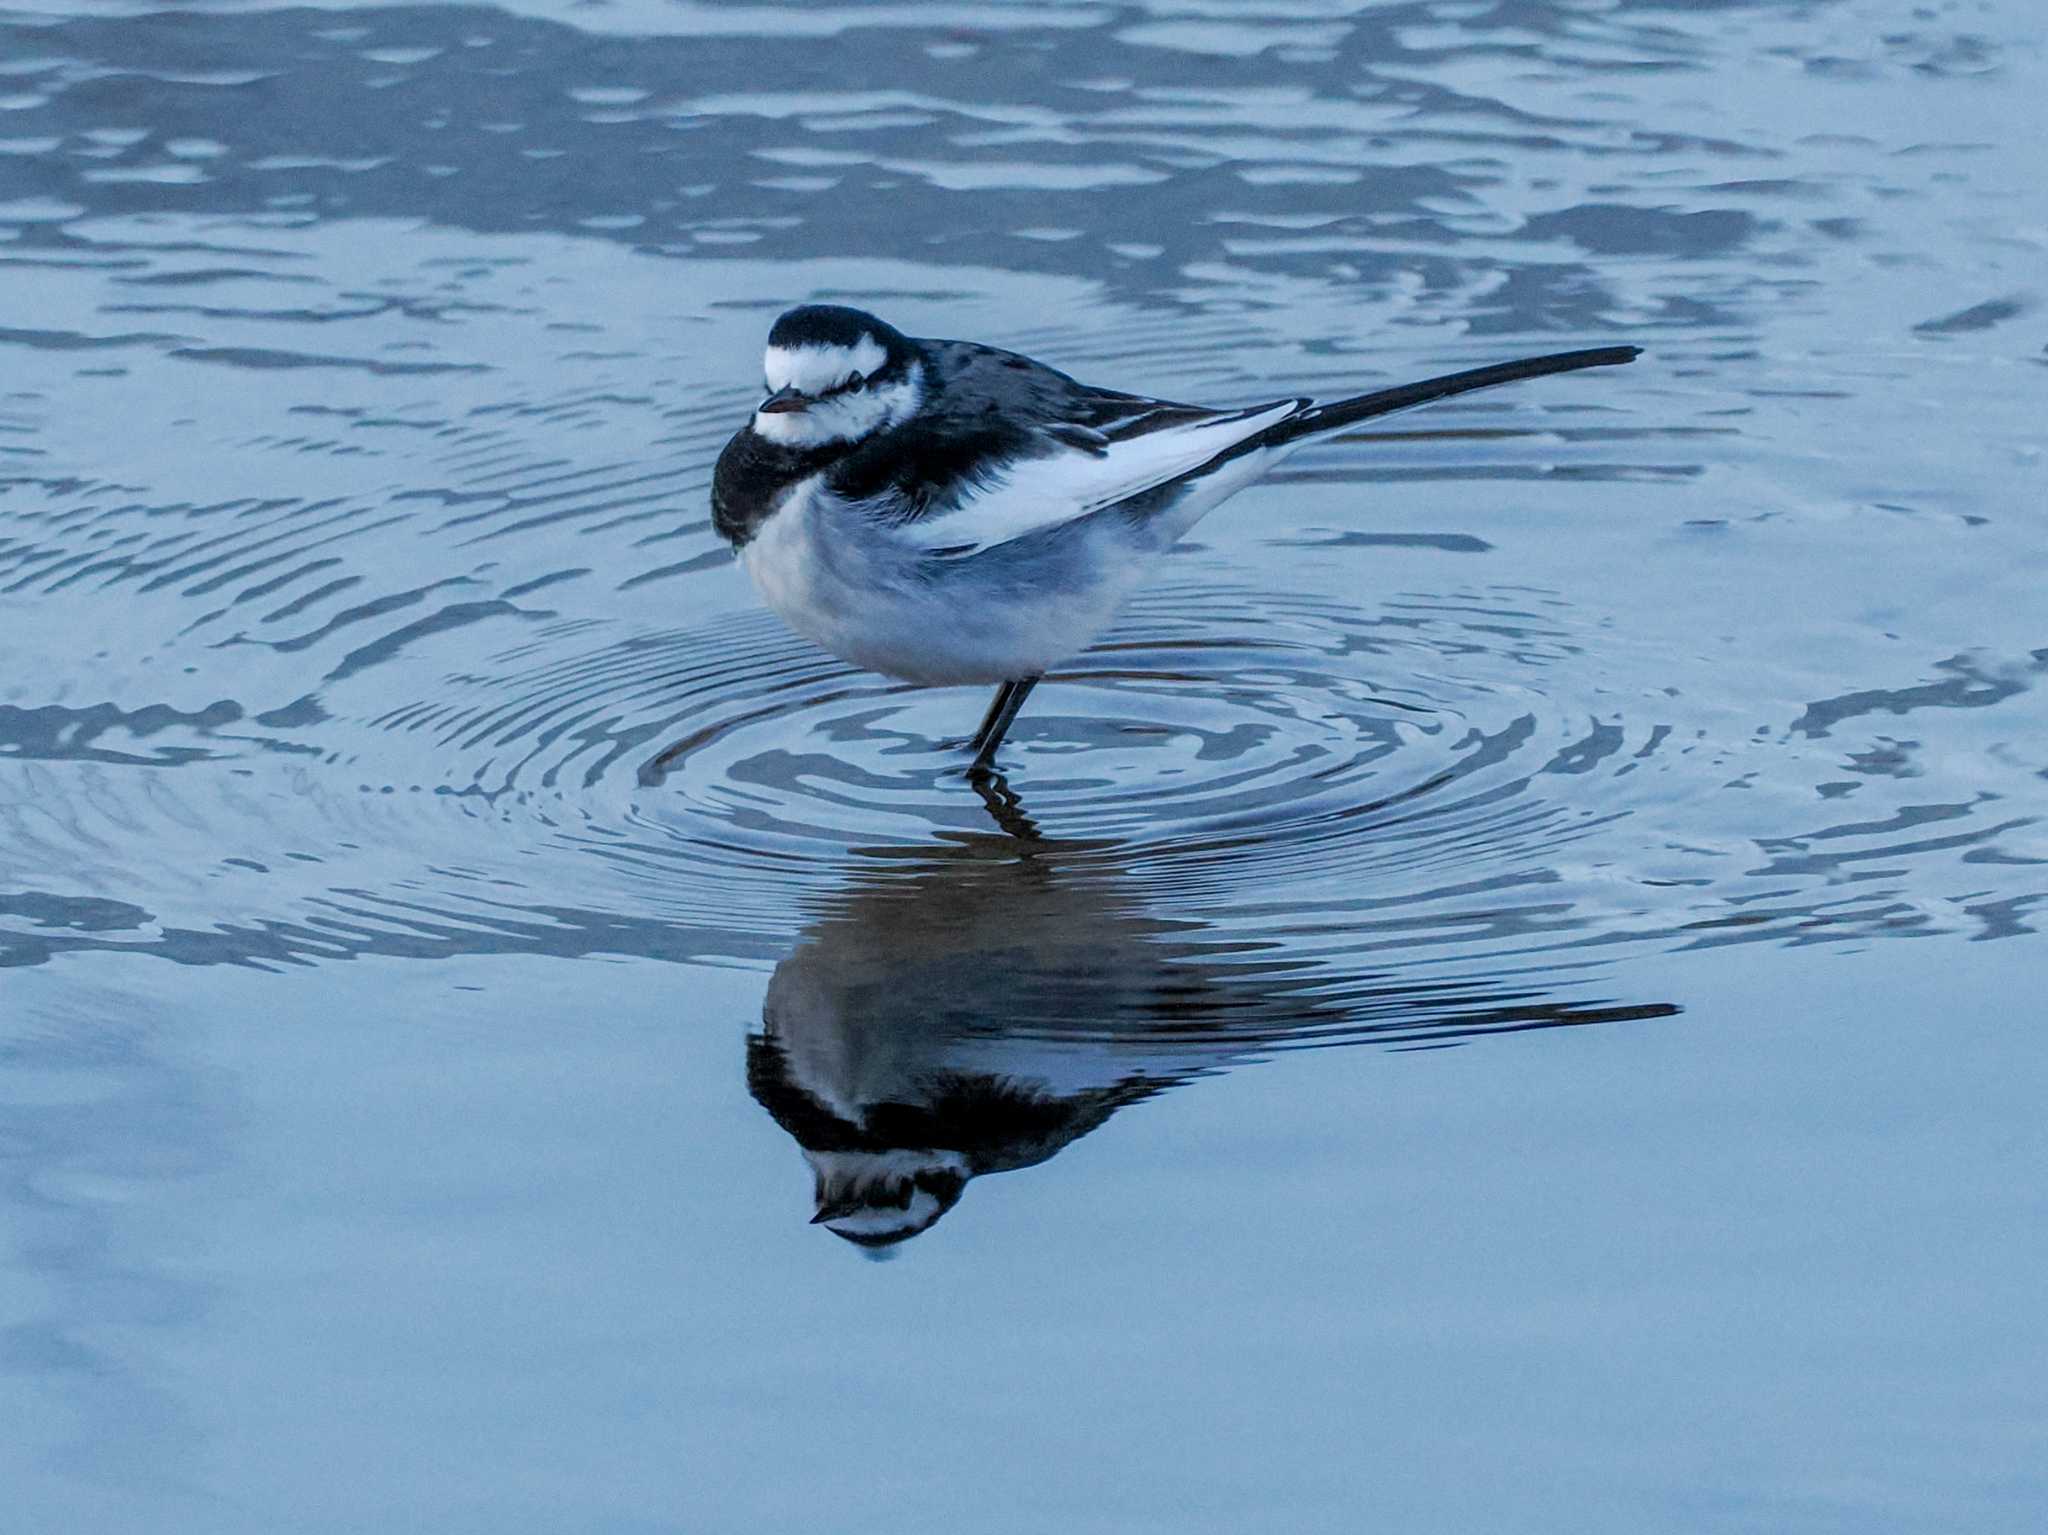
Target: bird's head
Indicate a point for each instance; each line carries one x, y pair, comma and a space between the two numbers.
836, 375
875, 1199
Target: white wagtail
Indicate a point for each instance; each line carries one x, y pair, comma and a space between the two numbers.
947, 512
970, 1012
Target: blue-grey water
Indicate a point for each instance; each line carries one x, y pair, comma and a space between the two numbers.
1510, 995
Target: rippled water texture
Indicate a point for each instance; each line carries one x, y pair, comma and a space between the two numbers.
368, 655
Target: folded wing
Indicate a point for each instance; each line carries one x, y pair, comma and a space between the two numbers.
1087, 468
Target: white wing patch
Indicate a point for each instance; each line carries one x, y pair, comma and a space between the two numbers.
1037, 493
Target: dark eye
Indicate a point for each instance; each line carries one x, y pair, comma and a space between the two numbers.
855, 384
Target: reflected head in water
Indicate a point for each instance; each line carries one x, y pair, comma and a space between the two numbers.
885, 1172
976, 1006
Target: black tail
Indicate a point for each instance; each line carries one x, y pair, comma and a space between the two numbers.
1327, 418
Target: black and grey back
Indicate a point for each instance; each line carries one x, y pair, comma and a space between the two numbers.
981, 412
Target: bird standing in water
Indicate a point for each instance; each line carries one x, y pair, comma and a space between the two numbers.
949, 513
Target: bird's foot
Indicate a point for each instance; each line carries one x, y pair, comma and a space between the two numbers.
1001, 801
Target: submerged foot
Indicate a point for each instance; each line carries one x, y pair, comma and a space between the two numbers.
1001, 801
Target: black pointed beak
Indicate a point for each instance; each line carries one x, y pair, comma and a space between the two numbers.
783, 401
833, 1207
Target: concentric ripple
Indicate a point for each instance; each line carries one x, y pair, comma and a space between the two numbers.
389, 620
1225, 741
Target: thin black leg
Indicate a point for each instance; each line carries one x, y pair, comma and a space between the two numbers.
996, 706
1001, 715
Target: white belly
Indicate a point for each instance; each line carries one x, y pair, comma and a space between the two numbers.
987, 618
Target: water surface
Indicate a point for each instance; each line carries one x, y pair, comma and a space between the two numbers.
1504, 995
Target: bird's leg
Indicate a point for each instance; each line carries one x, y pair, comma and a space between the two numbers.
996, 706
1001, 714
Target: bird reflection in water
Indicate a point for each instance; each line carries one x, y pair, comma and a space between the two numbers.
975, 1006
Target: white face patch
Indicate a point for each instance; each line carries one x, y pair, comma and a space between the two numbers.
846, 417
923, 1211
814, 369
880, 1173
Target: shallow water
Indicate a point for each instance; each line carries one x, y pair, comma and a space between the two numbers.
442, 914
